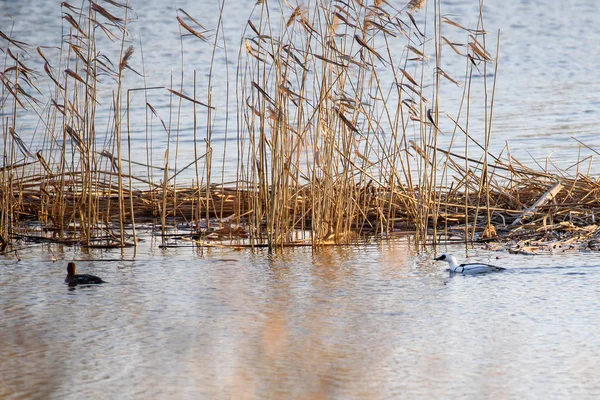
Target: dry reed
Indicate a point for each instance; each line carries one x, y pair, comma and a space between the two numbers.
337, 139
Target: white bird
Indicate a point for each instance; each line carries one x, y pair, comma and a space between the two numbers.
468, 269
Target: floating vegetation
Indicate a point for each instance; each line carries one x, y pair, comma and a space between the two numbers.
337, 138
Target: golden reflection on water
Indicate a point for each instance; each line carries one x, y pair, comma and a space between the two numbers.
20, 343
302, 345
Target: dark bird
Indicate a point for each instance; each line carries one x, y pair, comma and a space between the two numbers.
80, 279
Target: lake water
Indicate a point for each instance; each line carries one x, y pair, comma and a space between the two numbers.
376, 321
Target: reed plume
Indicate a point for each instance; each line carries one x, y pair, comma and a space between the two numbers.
416, 4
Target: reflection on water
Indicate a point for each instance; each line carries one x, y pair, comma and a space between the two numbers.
370, 322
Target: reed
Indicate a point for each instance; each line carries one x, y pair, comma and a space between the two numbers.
337, 137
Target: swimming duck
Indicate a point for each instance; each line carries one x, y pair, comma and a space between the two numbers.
468, 269
82, 279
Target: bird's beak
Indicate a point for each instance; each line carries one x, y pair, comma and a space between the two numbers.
438, 258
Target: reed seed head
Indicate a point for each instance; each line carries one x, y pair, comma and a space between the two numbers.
416, 4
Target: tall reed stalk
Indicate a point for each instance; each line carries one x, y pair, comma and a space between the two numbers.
338, 135
320, 117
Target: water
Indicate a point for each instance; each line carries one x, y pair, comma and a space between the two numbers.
370, 322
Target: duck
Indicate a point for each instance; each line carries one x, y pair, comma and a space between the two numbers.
468, 269
80, 279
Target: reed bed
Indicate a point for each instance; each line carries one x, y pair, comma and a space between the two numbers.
337, 138
566, 220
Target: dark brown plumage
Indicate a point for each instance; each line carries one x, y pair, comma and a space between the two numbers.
80, 279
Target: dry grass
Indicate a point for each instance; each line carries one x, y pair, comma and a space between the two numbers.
337, 138
416, 4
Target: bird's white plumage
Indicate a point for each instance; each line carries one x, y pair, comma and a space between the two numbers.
467, 269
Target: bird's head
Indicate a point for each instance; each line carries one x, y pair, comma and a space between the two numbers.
71, 269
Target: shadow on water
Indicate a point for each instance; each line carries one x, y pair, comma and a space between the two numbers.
73, 287
564, 269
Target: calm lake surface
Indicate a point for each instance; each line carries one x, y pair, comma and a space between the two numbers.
376, 321
373, 322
